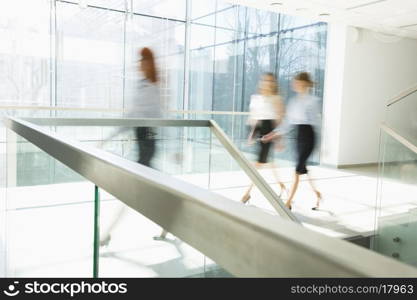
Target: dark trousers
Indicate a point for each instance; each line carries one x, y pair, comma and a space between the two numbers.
146, 141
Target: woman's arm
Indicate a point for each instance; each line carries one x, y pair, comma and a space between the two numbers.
251, 138
279, 110
285, 125
252, 120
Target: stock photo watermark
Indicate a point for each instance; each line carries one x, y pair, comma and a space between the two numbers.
69, 289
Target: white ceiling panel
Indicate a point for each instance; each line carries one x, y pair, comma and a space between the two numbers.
387, 8
407, 19
389, 16
347, 4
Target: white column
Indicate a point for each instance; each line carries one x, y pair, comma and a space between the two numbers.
333, 94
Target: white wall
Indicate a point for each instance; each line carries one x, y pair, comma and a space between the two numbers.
374, 70
333, 94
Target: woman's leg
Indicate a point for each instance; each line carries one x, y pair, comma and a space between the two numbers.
264, 127
318, 194
105, 238
309, 143
279, 182
246, 196
303, 151
293, 190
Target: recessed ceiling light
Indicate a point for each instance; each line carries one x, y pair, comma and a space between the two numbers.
324, 15
276, 3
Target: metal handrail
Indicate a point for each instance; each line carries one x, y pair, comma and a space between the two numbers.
401, 139
243, 240
254, 175
119, 110
247, 167
402, 95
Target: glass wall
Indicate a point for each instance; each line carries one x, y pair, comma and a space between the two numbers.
80, 55
231, 46
97, 44
25, 52
90, 56
83, 53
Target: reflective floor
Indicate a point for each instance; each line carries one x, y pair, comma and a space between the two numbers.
47, 211
49, 227
348, 204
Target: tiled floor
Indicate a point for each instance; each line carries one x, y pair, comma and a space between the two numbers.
49, 227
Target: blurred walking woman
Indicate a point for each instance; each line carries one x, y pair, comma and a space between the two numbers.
266, 112
146, 104
302, 113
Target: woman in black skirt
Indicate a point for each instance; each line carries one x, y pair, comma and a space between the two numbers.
302, 115
266, 112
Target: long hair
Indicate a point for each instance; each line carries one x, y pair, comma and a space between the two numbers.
150, 72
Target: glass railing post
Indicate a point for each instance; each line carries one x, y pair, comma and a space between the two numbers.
96, 250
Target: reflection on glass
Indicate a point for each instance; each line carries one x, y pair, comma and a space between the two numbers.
126, 252
397, 211
401, 117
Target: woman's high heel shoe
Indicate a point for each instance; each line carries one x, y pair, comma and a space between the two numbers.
283, 189
318, 194
245, 198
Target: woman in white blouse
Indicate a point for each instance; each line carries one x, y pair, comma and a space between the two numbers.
266, 112
147, 104
302, 114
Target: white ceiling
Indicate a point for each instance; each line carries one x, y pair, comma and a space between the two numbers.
397, 17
